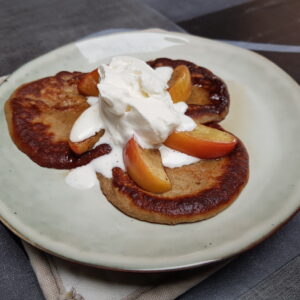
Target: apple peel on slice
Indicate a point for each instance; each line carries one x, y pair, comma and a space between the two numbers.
202, 142
145, 168
180, 84
87, 85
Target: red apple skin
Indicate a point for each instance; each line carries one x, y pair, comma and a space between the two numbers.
145, 168
213, 144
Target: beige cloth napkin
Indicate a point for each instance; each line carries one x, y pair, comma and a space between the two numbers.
63, 280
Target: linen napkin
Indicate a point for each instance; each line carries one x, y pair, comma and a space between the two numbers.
64, 280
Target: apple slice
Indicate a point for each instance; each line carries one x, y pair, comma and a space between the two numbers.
144, 166
202, 142
180, 84
87, 144
87, 85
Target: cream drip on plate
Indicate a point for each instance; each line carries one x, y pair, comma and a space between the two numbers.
133, 101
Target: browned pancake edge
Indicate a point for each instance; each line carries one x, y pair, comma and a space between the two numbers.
199, 191
214, 94
40, 116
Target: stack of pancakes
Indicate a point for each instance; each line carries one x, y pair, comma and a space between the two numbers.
40, 116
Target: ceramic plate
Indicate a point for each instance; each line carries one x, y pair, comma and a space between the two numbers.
83, 226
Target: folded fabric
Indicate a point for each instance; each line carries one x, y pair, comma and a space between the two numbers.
60, 279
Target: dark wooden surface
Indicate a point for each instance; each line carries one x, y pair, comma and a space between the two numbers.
272, 21
262, 21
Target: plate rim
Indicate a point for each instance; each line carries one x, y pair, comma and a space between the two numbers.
151, 270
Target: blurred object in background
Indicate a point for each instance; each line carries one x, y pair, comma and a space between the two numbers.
187, 9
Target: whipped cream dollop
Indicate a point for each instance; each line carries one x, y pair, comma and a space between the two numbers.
133, 102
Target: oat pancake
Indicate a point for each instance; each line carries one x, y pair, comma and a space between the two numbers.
199, 191
40, 116
209, 101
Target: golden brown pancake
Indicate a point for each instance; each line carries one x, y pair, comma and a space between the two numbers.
209, 101
40, 116
199, 191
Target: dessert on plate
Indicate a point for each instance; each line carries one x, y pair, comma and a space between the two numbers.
147, 132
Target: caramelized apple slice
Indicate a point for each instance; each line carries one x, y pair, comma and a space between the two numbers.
144, 166
202, 142
180, 84
87, 85
87, 144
